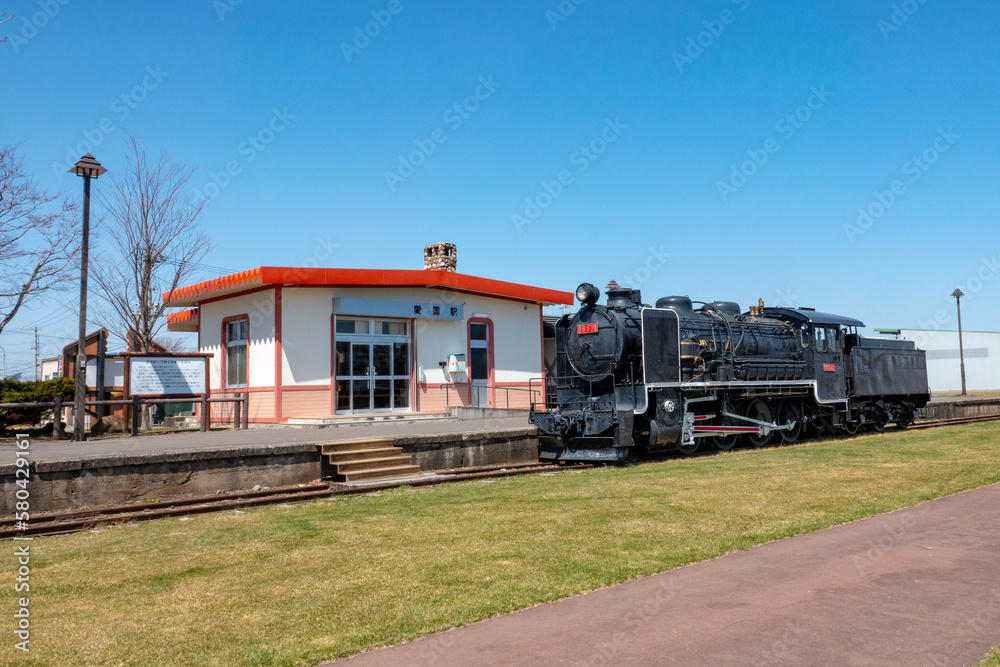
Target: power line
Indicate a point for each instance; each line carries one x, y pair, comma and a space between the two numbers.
207, 268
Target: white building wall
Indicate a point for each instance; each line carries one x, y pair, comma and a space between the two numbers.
517, 339
50, 369
982, 358
307, 345
305, 335
516, 330
259, 307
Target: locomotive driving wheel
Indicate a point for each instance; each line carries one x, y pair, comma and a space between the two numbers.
789, 413
721, 442
761, 411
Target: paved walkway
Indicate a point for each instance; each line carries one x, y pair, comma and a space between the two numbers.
920, 586
44, 449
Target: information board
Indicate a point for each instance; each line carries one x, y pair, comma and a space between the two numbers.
150, 376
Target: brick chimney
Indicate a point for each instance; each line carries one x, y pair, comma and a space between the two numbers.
440, 257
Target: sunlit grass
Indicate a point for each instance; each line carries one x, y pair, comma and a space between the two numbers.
295, 586
991, 660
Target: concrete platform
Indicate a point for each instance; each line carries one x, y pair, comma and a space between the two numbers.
919, 586
67, 475
349, 420
44, 449
951, 407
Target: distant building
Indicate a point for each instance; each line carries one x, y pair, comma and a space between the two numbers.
314, 342
51, 368
982, 357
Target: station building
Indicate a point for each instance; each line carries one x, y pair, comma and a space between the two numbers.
982, 357
316, 342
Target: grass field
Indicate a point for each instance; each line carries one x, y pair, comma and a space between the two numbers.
297, 585
992, 660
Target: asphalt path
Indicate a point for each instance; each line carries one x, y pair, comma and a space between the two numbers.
919, 586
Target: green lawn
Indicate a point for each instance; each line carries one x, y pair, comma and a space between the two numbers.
297, 585
992, 660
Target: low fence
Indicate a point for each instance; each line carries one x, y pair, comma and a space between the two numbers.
241, 411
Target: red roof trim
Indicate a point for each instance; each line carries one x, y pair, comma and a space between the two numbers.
293, 276
185, 295
183, 316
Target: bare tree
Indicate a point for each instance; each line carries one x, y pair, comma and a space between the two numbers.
155, 241
38, 239
175, 344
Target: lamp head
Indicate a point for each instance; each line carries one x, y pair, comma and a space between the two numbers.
88, 167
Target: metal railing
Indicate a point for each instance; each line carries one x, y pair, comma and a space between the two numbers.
241, 410
476, 390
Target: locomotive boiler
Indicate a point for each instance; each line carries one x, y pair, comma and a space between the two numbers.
680, 375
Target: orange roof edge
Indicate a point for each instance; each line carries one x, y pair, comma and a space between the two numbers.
182, 316
295, 276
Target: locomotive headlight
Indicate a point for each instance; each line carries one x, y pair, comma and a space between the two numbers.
587, 293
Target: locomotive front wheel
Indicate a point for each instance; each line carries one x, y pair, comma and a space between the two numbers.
760, 411
850, 428
878, 427
687, 450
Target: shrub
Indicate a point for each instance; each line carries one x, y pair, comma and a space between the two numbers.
36, 391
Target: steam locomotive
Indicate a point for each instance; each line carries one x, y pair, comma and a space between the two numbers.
631, 378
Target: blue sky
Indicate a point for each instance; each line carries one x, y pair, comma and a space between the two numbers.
835, 155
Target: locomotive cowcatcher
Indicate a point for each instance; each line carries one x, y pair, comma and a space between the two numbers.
631, 378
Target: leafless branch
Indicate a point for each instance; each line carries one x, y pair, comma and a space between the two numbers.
38, 238
155, 241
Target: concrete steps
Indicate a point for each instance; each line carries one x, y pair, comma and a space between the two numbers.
376, 458
348, 456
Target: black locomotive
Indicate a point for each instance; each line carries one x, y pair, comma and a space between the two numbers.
633, 378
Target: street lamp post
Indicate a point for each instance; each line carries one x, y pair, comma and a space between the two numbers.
88, 167
961, 351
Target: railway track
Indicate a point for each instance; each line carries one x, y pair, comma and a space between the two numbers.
932, 423
61, 523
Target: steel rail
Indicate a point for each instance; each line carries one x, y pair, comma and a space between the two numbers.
76, 521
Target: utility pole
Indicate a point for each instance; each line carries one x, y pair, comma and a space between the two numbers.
36, 354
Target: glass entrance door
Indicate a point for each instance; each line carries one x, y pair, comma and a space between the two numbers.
372, 366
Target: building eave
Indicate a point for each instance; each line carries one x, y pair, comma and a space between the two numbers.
265, 276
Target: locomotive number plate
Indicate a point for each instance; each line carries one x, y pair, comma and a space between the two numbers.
586, 328
829, 367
